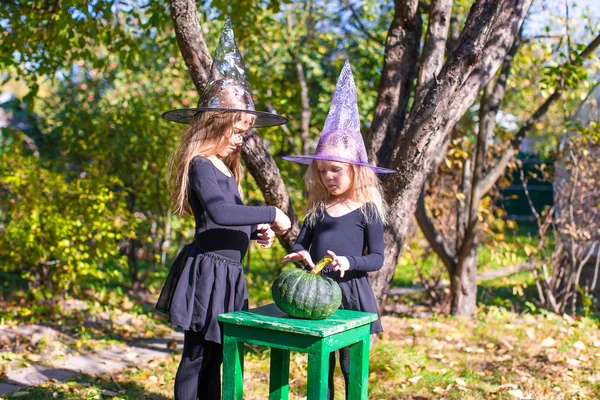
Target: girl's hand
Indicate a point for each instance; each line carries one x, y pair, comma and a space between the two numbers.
299, 256
282, 223
266, 235
339, 263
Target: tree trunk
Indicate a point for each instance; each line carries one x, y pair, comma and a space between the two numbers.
399, 67
463, 284
412, 156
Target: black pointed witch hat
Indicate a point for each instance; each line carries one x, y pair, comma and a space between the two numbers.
227, 89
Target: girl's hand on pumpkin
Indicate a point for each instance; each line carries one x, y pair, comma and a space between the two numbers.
339, 263
266, 235
299, 256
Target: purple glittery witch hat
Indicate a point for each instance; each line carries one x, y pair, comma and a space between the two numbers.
227, 88
341, 139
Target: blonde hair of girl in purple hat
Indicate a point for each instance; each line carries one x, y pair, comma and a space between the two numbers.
346, 210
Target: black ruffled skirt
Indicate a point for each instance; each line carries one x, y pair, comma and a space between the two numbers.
200, 286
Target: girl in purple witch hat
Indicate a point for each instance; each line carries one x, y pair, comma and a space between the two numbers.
207, 277
346, 210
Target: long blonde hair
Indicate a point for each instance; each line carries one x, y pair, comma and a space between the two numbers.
366, 188
207, 135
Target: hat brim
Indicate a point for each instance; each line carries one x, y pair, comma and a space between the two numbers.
308, 159
263, 119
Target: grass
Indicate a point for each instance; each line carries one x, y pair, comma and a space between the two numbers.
507, 253
508, 350
497, 354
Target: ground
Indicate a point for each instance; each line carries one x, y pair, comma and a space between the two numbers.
496, 354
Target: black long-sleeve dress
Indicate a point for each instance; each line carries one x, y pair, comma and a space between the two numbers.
351, 236
206, 279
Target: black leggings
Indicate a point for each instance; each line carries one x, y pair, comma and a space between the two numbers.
200, 367
344, 353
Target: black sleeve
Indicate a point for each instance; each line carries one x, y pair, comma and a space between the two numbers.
254, 234
373, 261
203, 181
304, 238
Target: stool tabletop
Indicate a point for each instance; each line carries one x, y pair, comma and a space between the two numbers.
271, 317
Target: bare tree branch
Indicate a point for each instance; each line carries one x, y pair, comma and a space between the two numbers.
498, 170
191, 41
424, 122
502, 38
400, 59
432, 56
491, 99
306, 111
361, 26
31, 144
433, 236
453, 34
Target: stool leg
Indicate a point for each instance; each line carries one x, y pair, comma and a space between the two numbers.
318, 369
233, 368
280, 372
359, 370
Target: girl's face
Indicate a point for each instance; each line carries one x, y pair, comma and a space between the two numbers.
337, 177
238, 131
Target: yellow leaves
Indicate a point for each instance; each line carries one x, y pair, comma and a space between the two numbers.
529, 249
33, 357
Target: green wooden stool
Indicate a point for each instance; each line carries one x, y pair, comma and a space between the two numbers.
269, 326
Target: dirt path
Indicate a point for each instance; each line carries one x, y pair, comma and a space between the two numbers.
110, 359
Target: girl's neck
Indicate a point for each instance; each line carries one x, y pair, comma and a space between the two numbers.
220, 164
347, 199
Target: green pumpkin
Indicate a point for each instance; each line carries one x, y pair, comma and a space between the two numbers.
307, 294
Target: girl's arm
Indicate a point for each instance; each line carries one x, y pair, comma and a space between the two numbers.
373, 261
304, 239
301, 247
203, 181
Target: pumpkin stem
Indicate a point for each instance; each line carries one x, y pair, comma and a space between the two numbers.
321, 264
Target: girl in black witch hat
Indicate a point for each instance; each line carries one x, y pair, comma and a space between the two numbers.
207, 278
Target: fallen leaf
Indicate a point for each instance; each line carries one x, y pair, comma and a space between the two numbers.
33, 357
548, 342
415, 379
461, 382
107, 392
574, 363
530, 333
569, 319
516, 393
579, 345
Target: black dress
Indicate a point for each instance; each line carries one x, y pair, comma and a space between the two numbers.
207, 279
362, 243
